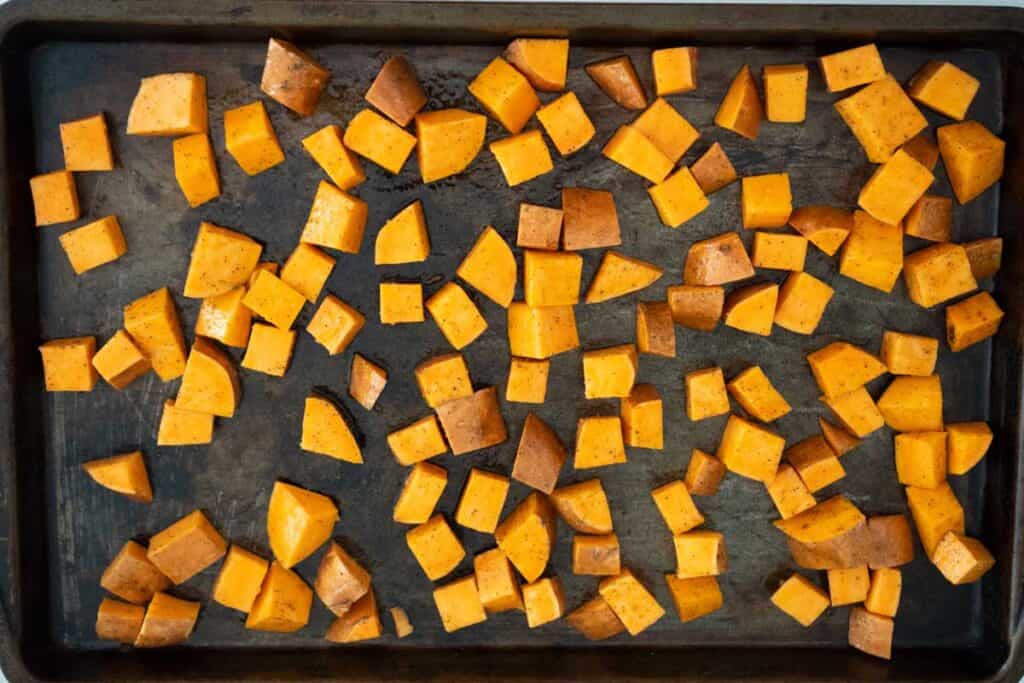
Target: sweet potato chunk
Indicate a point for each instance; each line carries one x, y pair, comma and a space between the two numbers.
596, 555
840, 440
505, 94
334, 325
590, 219
168, 621
420, 492
802, 302
619, 275
841, 367
675, 70
609, 372
543, 601
473, 422
94, 244
120, 361
891, 541
482, 499
435, 547
360, 622
240, 579
522, 157
696, 597
338, 162
326, 431
881, 117
340, 580
527, 536
403, 627
617, 78
270, 298
170, 105
292, 77
132, 577
871, 633
210, 383
930, 218
703, 474
962, 559
700, 553
749, 450
909, 354
225, 318
447, 141
669, 130
541, 332
884, 594
678, 198
985, 256
378, 139
655, 332
298, 522
967, 443
125, 474
443, 378
396, 91
366, 381
945, 88
826, 227
584, 507
54, 198
540, 227
717, 261
222, 259
403, 238
856, 411
596, 620
921, 458
848, 586
456, 315
635, 152
706, 394
923, 148
913, 404
119, 621
86, 144
336, 220
850, 68
306, 270
544, 61
788, 492
418, 441
183, 427
815, 462
458, 604
973, 158
713, 170
631, 601
767, 200
642, 418
283, 604
269, 350
752, 309
827, 520
186, 548
741, 110
696, 306
250, 138
490, 267
496, 581
540, 455
800, 599
935, 512
972, 320
785, 92
677, 507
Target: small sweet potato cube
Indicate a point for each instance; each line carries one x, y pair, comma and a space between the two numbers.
856, 411
713, 170
717, 261
473, 422
326, 431
250, 138
186, 548
609, 372
551, 278
443, 378
482, 499
270, 298
543, 601
403, 627
566, 123
937, 274
132, 577
779, 251
618, 80
168, 621
590, 219
741, 110
754, 391
882, 117
635, 152
210, 383
221, 260
366, 381
360, 622
458, 604
374, 137
505, 94
401, 302
396, 91
522, 157
335, 324
338, 162
496, 582
619, 275
292, 77
269, 350
283, 604
596, 555
225, 318
767, 200
599, 442
584, 507
789, 493
677, 507
195, 169
962, 559
125, 474
655, 332
706, 394
670, 132
815, 462
891, 541
700, 553
418, 441
913, 404
894, 188
800, 599
340, 580
544, 61
642, 417
785, 92
966, 445
923, 148
595, 619
848, 586
170, 105
973, 158
183, 427
527, 535
86, 144
336, 220
678, 198
930, 218
801, 303
540, 227
909, 354
696, 306
540, 332
752, 309
152, 322
694, 598
985, 256
675, 70
841, 367
884, 594
632, 603
527, 380
298, 522
935, 511
306, 270
703, 474
456, 315
54, 198
749, 450
921, 458
240, 579
435, 547
826, 227
972, 320
945, 88
120, 362
422, 489
539, 456
838, 439
870, 633
119, 621
490, 267
850, 68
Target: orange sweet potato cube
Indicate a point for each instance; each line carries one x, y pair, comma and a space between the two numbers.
505, 94
458, 604
873, 253
884, 594
848, 586
642, 417
930, 218
677, 507
482, 499
522, 157
937, 274
741, 110
655, 331
800, 599
67, 364
767, 200
540, 227
396, 91
596, 620
696, 597
921, 458
599, 442
882, 117
713, 170
815, 462
473, 422
966, 445
539, 456
802, 302
675, 70
789, 493
717, 261
785, 92
985, 255
754, 391
596, 555
86, 144
435, 547
706, 394
699, 553
945, 88
778, 251
852, 67
383, 142
186, 548
696, 306
617, 78
336, 220
335, 324
909, 354
826, 227
422, 489
962, 559
543, 601
870, 633
250, 138
590, 219
496, 582
894, 188
566, 123
972, 320
292, 77
632, 603
55, 198
670, 132
973, 158
703, 474
366, 381
749, 450
752, 309
338, 162
132, 577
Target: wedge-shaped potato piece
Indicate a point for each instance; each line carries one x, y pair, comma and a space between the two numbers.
306, 270
696, 306
713, 170
838, 439
642, 422
973, 158
962, 559
298, 522
240, 579
527, 380
590, 219
250, 138
447, 142
967, 443
677, 507
120, 361
755, 392
483, 497
551, 278
404, 238
599, 442
225, 318
340, 580
972, 320
985, 256
930, 218
706, 394
456, 315
870, 633
292, 77
717, 261
741, 110
788, 492
195, 169
420, 492
767, 200
360, 622
505, 94
801, 599
496, 582
850, 68
283, 604
596, 620
841, 367
67, 364
169, 104
543, 601
694, 598
894, 188
913, 404
815, 462
700, 553
909, 354
678, 198
856, 411
419, 441
617, 78
937, 274
269, 350
366, 381
541, 332
802, 302
338, 162
703, 474
828, 520
826, 227
584, 507
923, 148
619, 275
210, 384
396, 91
119, 621
336, 220
633, 150
544, 61
891, 541
752, 309
785, 92
596, 555
881, 117
610, 372
527, 536
326, 431
655, 329
921, 458
945, 88
670, 132
522, 157
632, 603
374, 137
539, 456
222, 259
94, 244
443, 378
168, 621
567, 124
132, 577
458, 604
125, 474
152, 321
473, 422
335, 324
273, 300
54, 198
186, 548
935, 511
490, 267
851, 549
183, 427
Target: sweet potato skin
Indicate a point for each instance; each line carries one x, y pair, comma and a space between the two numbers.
292, 77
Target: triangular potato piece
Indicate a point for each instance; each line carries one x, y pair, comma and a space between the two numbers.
839, 439
125, 474
404, 238
325, 431
222, 259
619, 275
752, 309
490, 267
210, 383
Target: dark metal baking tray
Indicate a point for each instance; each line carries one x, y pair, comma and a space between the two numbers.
61, 60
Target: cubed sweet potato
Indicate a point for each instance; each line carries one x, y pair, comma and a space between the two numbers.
617, 78
292, 77
539, 456
396, 91
473, 422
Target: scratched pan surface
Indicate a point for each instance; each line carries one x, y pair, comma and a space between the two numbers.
231, 479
